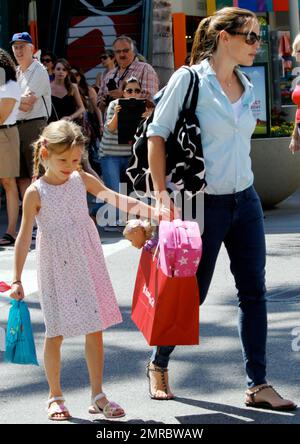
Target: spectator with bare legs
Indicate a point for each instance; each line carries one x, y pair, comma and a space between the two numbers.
10, 96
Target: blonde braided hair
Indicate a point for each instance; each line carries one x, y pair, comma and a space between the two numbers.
57, 138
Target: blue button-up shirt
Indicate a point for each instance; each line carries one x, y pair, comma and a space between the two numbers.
226, 143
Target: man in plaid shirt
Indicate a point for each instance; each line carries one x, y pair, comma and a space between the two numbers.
128, 66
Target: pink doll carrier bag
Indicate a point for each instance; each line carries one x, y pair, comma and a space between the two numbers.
180, 248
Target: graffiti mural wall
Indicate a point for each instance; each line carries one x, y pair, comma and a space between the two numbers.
94, 25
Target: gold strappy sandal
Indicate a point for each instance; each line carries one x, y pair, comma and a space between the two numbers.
158, 382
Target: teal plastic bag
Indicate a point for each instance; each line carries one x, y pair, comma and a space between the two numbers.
20, 348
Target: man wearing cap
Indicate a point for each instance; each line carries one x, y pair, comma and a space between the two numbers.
35, 104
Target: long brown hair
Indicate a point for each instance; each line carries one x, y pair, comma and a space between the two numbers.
68, 82
207, 35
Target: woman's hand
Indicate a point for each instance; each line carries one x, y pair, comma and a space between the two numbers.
295, 144
147, 113
117, 109
17, 292
67, 118
165, 208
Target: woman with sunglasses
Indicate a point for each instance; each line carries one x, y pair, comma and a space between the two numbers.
232, 209
48, 59
115, 156
108, 62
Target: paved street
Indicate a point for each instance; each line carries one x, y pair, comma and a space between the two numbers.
208, 379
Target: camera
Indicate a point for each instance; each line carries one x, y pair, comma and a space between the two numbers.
111, 85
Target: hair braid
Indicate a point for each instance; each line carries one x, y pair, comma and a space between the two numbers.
37, 156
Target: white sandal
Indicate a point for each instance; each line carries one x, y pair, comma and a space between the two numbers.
109, 410
56, 409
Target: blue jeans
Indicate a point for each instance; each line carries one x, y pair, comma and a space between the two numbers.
236, 220
113, 169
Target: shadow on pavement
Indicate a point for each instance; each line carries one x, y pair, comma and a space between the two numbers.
130, 421
226, 414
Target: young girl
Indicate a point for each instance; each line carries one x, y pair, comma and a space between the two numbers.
77, 296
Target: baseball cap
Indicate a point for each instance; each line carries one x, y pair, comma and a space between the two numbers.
21, 37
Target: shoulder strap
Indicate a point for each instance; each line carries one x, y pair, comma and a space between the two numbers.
193, 90
46, 107
189, 87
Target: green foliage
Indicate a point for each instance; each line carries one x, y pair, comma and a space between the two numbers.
284, 130
280, 127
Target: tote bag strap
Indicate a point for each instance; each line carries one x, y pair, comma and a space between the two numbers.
188, 93
193, 91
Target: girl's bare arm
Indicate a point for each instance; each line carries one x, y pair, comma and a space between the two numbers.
127, 204
31, 205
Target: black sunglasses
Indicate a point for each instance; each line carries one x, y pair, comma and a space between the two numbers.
103, 57
47, 60
130, 90
251, 37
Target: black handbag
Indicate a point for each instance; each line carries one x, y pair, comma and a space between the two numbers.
185, 168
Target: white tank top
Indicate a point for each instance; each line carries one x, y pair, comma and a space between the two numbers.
237, 109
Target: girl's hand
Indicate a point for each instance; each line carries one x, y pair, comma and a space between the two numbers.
17, 292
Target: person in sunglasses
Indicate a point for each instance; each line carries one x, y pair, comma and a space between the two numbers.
48, 59
128, 66
232, 210
108, 62
115, 156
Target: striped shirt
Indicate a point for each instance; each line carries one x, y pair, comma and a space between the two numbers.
109, 145
142, 71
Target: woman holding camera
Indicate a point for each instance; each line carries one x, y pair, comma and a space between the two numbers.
115, 156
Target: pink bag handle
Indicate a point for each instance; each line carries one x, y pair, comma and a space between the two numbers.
181, 232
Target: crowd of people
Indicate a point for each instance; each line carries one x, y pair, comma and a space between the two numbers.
40, 92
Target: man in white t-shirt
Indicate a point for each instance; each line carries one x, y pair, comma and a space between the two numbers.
35, 107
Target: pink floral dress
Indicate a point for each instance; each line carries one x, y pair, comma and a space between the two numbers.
75, 290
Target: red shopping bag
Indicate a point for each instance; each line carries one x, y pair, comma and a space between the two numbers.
4, 287
165, 309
